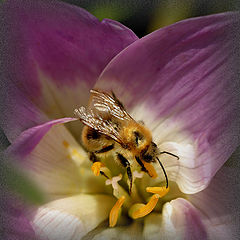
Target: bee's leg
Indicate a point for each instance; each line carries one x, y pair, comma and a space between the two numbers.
147, 167
96, 162
164, 152
103, 174
141, 164
126, 164
93, 158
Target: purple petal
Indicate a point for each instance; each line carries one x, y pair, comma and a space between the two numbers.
219, 203
17, 111
53, 53
30, 138
185, 74
55, 161
14, 221
186, 216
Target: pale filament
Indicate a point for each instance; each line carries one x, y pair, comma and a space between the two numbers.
114, 181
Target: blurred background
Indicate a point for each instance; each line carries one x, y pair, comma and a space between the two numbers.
145, 16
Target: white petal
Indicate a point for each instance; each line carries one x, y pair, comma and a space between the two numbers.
187, 172
55, 105
179, 220
71, 218
57, 165
131, 232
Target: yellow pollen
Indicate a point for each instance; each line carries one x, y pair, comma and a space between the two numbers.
150, 169
145, 209
96, 168
113, 216
161, 191
65, 144
73, 152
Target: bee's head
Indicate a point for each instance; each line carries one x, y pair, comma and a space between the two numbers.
136, 136
150, 153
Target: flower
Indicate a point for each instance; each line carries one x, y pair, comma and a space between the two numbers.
14, 222
180, 80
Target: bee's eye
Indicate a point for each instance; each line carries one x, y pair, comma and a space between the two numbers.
138, 137
154, 145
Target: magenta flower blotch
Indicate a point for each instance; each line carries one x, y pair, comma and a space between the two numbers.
178, 82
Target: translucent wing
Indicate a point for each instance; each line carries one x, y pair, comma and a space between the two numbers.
105, 114
106, 105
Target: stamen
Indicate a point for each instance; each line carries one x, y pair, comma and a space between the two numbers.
161, 191
96, 168
113, 216
119, 191
141, 210
114, 181
151, 170
137, 174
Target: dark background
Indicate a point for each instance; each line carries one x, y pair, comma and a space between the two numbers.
145, 16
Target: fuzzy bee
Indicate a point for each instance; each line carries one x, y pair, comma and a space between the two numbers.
110, 129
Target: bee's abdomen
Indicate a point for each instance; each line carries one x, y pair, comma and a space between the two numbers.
105, 149
92, 134
94, 141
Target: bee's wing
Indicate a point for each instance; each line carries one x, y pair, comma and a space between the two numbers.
105, 114
108, 106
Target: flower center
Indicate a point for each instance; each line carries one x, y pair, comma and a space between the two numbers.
132, 202
145, 193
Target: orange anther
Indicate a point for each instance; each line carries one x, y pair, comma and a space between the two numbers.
96, 168
146, 209
161, 191
113, 216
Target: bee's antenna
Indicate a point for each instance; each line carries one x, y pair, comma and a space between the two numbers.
163, 172
164, 152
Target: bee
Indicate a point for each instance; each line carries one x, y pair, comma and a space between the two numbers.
110, 129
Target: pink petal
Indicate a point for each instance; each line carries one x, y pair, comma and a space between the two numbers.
186, 216
17, 111
53, 53
54, 161
184, 74
219, 204
179, 220
14, 222
30, 138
